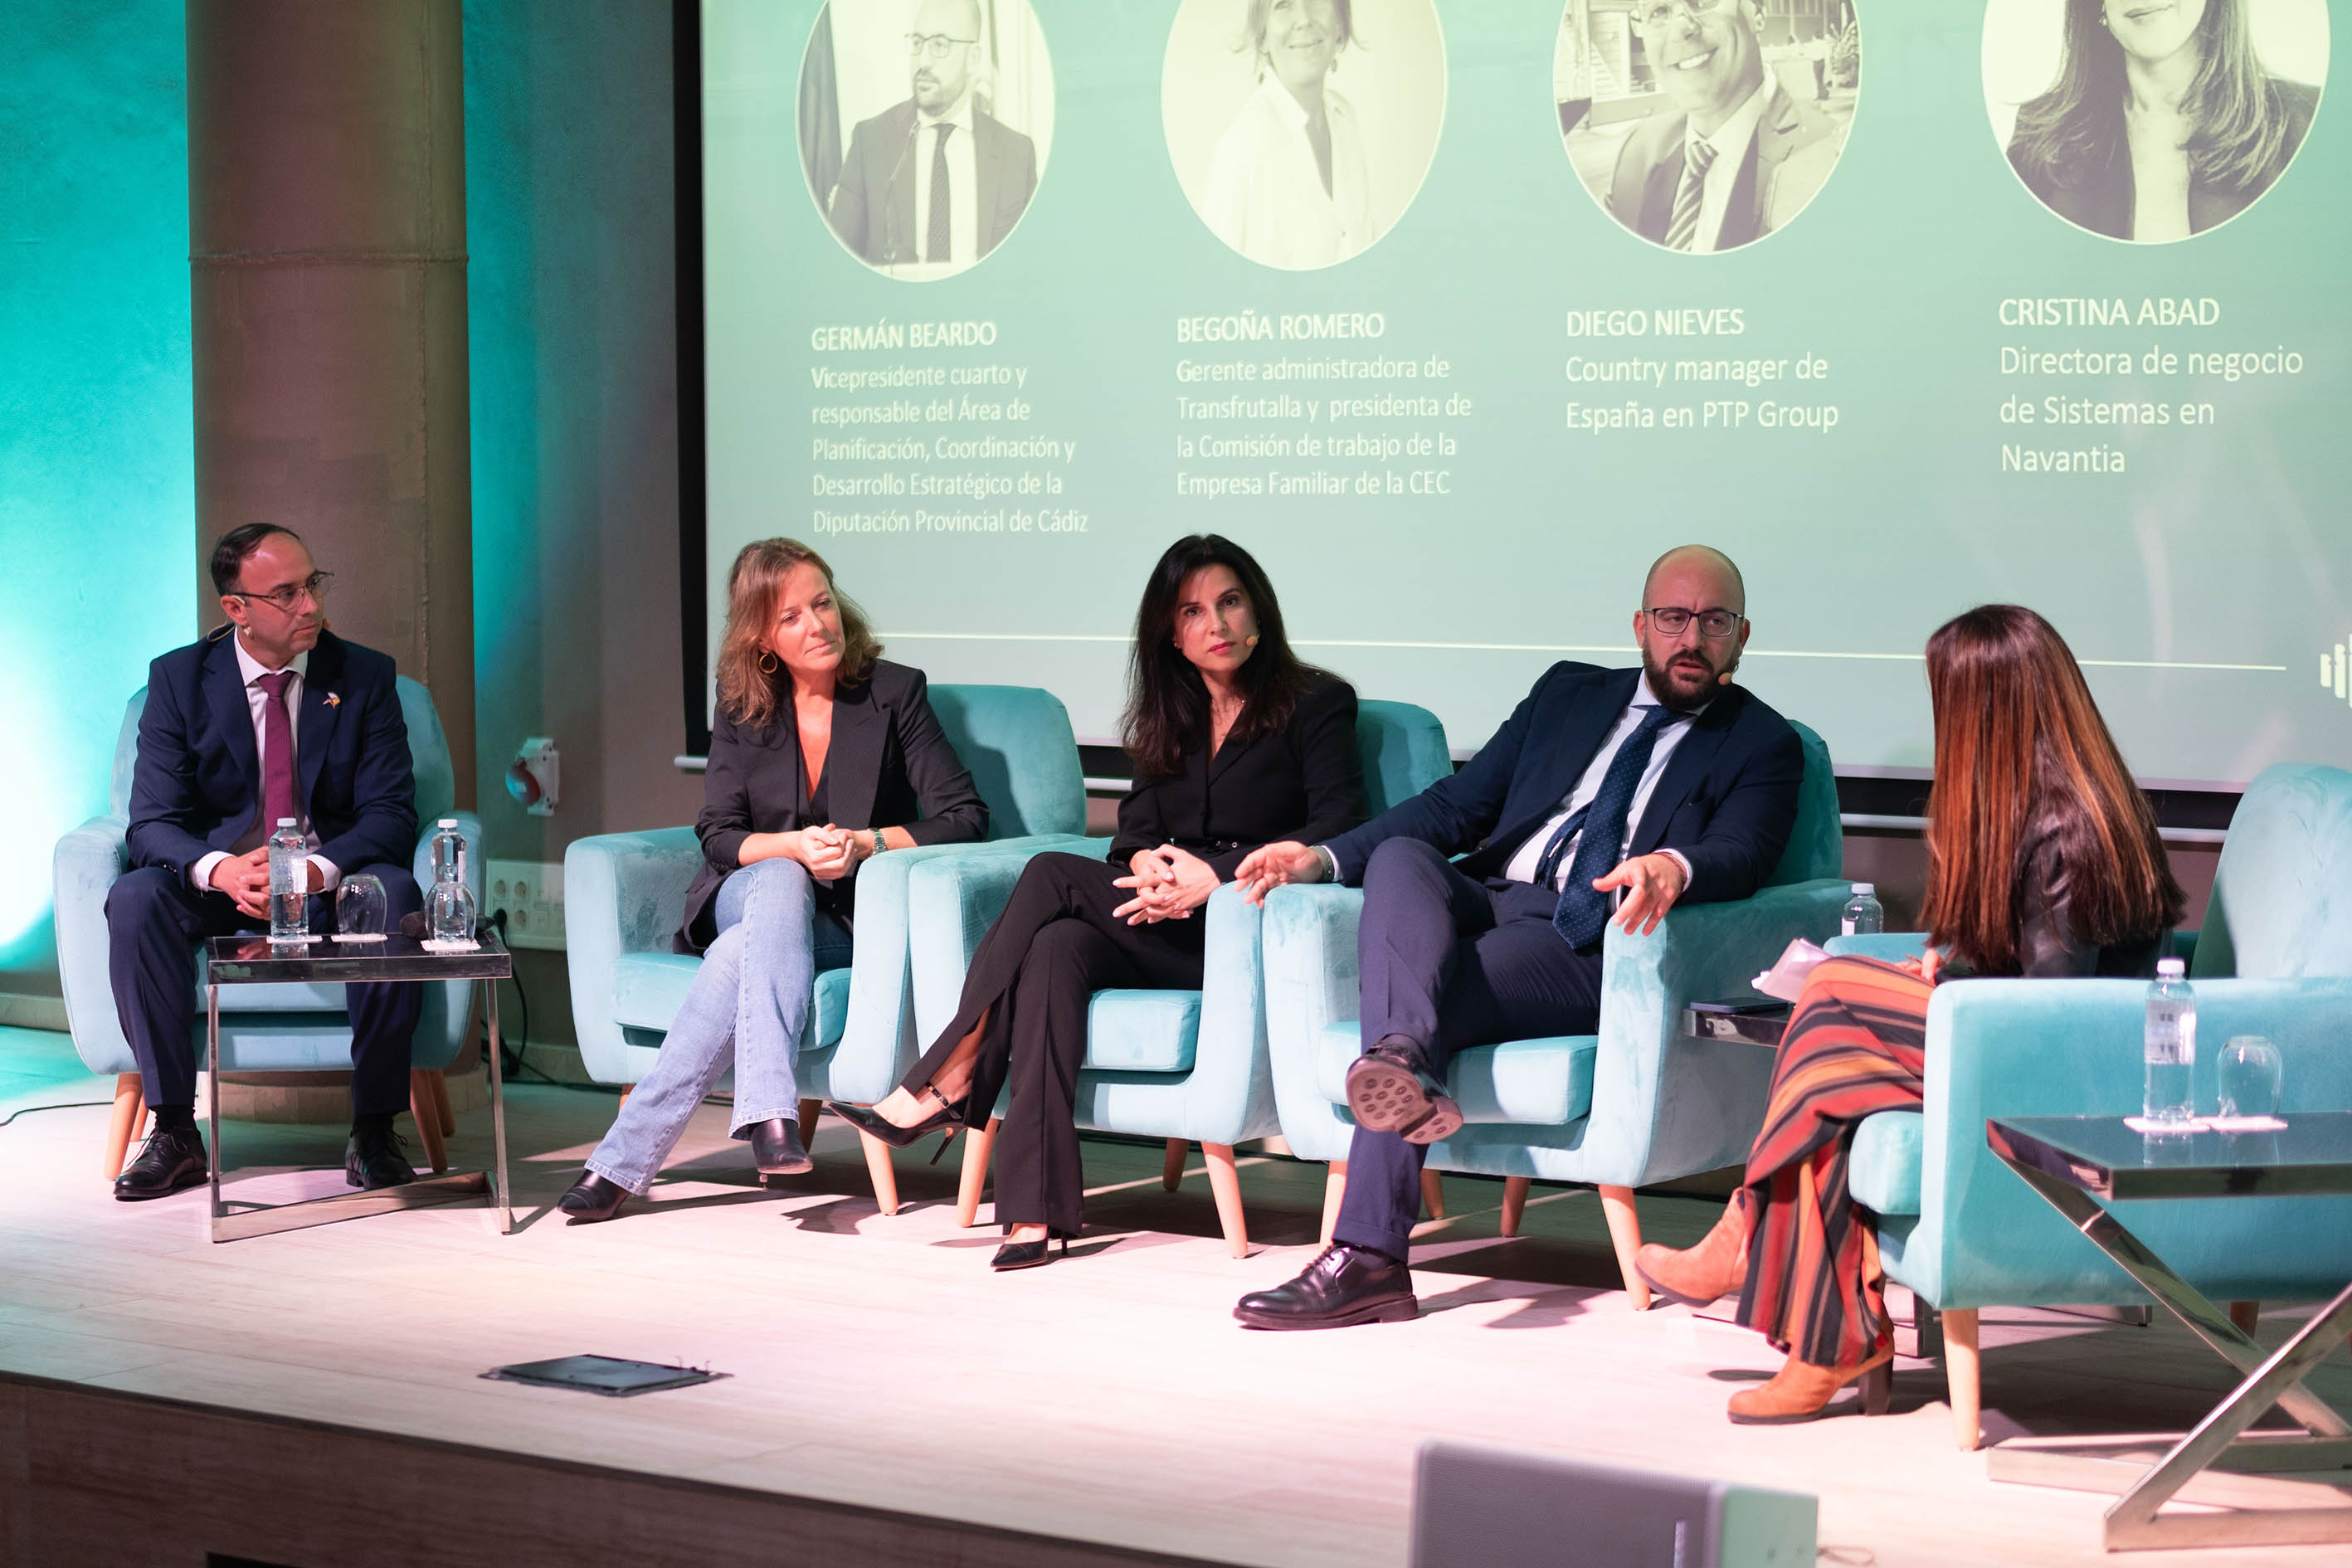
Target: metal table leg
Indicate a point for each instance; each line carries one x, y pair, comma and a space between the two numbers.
500, 1196
2322, 1454
211, 1100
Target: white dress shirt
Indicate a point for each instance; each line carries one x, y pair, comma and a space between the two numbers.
258, 832
1522, 866
1265, 195
1731, 141
964, 184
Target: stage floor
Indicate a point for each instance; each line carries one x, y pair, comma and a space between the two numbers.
1108, 1398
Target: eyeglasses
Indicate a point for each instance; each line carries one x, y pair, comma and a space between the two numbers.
1656, 14
935, 44
313, 589
1712, 624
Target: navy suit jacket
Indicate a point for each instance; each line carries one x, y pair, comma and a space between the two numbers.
874, 205
1727, 801
197, 786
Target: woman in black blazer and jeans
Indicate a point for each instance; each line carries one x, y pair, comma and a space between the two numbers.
1235, 743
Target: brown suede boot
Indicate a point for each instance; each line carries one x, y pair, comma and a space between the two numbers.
1698, 1275
1799, 1390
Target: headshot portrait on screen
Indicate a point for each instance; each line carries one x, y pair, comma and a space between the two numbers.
1704, 125
1300, 130
924, 126
2152, 119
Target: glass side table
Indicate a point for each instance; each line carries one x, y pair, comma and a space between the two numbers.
322, 960
2074, 1161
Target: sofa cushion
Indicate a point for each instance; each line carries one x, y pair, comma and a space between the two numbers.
1546, 1082
1888, 1155
1143, 1031
648, 988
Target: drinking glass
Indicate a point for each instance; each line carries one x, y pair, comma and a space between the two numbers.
359, 910
2251, 1074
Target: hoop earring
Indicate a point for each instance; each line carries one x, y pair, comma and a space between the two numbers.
768, 665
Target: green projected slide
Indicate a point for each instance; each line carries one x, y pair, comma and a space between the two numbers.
1457, 312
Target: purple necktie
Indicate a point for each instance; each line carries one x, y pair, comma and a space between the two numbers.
277, 754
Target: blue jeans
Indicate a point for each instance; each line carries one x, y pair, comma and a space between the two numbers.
746, 1008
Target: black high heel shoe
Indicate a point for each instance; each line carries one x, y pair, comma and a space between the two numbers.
592, 1198
1027, 1254
863, 1118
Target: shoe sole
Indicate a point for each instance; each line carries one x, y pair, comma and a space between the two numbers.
1385, 1098
1864, 1397
353, 1179
800, 1169
198, 1180
1389, 1311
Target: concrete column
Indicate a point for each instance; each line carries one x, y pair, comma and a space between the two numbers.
327, 272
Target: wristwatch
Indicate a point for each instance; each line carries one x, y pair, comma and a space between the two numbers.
879, 844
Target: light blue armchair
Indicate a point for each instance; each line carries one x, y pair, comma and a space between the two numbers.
2274, 958
264, 1028
1637, 1103
624, 894
1185, 1066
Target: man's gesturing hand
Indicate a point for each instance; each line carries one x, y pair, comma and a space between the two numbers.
1270, 866
1652, 884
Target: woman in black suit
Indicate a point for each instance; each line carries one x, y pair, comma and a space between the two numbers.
1235, 743
822, 755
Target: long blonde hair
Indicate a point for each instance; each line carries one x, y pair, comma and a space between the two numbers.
748, 694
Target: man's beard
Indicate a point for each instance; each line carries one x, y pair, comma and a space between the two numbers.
1670, 696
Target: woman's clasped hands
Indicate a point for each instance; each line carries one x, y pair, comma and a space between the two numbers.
1169, 882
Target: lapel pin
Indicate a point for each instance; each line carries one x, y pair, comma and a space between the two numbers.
334, 700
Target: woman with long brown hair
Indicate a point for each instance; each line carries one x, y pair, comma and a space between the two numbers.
823, 754
1235, 743
2042, 861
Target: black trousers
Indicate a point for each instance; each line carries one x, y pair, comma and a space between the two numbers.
154, 921
1449, 962
1054, 946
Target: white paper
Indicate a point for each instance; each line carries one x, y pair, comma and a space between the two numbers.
2246, 1123
1785, 981
2169, 1128
434, 945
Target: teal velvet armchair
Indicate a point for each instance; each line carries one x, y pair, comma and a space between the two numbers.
264, 1028
624, 894
1636, 1103
2274, 958
1185, 1065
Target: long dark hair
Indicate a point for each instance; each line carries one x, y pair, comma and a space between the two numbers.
1166, 701
2072, 135
751, 692
2019, 740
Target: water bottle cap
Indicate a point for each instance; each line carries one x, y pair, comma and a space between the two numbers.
448, 822
285, 822
2171, 968
1864, 890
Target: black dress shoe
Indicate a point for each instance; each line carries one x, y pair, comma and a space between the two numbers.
1347, 1285
776, 1148
376, 1157
1016, 1254
170, 1161
863, 1118
1392, 1089
592, 1198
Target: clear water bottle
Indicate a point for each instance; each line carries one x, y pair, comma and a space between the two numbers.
449, 907
2170, 1052
1864, 915
290, 883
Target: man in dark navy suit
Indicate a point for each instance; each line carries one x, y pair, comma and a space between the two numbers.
283, 719
1659, 784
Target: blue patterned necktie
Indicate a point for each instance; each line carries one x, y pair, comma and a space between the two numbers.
1690, 194
1583, 911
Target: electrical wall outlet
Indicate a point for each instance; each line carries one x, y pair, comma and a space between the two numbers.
531, 894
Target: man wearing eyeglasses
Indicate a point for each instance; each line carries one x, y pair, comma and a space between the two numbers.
271, 717
934, 183
1654, 786
1729, 156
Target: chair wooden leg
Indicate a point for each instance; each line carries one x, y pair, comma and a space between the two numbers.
1172, 1163
428, 1119
2246, 1315
441, 1106
627, 1090
810, 1111
885, 1175
1625, 1234
1433, 1192
1961, 1374
1225, 1182
977, 1148
1335, 1189
1514, 1203
129, 1115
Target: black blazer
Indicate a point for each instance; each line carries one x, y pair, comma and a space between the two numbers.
2100, 198
197, 786
1306, 781
1727, 802
889, 765
874, 204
